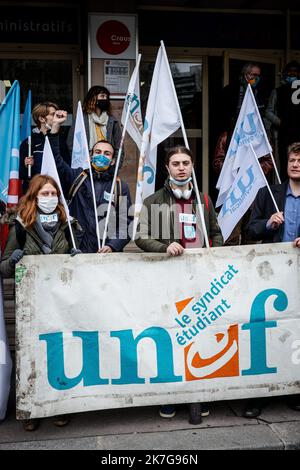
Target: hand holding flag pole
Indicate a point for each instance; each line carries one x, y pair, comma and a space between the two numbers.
81, 159
264, 176
130, 97
29, 154
26, 128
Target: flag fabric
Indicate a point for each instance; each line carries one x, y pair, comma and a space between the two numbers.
49, 168
249, 128
162, 119
26, 123
10, 145
5, 361
248, 180
135, 122
80, 152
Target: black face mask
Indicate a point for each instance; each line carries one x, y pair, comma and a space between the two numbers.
102, 104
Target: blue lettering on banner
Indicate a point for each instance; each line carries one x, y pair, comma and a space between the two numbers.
129, 357
257, 328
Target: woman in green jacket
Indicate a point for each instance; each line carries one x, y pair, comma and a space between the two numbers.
38, 227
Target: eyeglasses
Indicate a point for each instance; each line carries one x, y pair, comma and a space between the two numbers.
293, 161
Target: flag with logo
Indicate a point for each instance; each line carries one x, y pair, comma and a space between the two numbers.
135, 121
80, 152
249, 128
5, 361
10, 145
162, 119
248, 180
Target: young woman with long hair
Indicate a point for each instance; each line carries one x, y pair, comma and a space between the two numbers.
39, 226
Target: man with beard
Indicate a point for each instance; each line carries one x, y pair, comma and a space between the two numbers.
78, 183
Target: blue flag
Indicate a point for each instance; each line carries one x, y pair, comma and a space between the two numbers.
26, 123
10, 143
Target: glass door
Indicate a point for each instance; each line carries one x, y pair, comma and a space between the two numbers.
188, 80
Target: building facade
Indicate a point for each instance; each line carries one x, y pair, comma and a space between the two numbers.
47, 47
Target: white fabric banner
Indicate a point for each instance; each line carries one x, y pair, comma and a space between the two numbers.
5, 361
161, 120
80, 152
242, 193
135, 122
124, 330
49, 168
249, 128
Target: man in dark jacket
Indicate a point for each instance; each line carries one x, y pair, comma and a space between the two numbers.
270, 226
81, 205
266, 223
283, 113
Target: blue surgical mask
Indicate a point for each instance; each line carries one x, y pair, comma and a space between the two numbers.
290, 79
100, 162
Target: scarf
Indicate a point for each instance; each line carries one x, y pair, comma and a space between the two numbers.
100, 121
46, 233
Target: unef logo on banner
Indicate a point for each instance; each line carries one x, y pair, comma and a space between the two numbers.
113, 36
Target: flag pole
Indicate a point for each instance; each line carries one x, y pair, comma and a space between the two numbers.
71, 231
187, 146
29, 154
130, 96
95, 204
266, 137
264, 176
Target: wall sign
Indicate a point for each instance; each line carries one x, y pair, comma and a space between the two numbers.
113, 36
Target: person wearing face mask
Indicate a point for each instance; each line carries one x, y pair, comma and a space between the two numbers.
38, 227
98, 120
42, 114
233, 95
169, 224
177, 228
283, 114
79, 193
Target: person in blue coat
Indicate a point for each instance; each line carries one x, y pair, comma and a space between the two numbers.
78, 185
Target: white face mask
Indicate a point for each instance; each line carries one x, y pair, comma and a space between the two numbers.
47, 204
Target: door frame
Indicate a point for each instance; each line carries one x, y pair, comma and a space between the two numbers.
31, 52
187, 55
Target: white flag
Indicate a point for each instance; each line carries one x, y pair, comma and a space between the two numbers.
5, 361
248, 180
249, 128
162, 119
80, 152
49, 168
135, 121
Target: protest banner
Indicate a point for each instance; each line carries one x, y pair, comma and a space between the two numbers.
124, 330
5, 361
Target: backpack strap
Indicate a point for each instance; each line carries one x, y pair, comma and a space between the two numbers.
76, 185
20, 234
118, 190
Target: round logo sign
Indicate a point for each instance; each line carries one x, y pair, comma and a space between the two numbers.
113, 37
